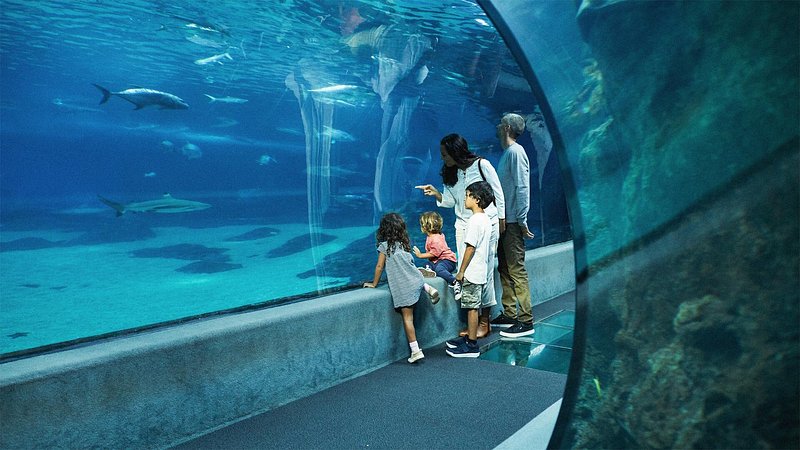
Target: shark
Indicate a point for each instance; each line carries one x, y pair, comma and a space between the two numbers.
225, 99
142, 97
165, 204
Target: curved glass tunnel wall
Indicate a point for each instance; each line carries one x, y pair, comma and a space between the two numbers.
678, 133
306, 122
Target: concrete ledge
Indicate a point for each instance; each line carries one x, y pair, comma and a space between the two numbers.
551, 271
161, 387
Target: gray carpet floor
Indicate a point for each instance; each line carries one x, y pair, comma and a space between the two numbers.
438, 403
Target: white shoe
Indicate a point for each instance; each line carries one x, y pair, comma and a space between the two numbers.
416, 356
433, 294
456, 290
427, 272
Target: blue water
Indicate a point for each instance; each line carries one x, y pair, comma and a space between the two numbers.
68, 264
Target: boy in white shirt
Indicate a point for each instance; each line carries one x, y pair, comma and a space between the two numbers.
473, 272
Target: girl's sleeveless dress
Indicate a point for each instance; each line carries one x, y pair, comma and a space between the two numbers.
405, 280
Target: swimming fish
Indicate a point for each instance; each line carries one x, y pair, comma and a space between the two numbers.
225, 99
214, 59
191, 151
166, 204
266, 159
142, 97
334, 88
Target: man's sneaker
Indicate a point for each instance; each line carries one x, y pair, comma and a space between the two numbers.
519, 329
416, 356
465, 350
453, 343
456, 286
503, 321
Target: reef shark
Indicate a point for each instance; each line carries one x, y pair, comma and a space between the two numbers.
166, 204
142, 97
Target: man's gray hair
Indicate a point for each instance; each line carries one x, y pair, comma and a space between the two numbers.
515, 122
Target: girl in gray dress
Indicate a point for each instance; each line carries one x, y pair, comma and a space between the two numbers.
405, 281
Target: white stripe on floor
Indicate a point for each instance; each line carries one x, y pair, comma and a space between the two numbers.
536, 433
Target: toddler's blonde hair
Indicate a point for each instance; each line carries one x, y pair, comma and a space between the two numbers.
430, 222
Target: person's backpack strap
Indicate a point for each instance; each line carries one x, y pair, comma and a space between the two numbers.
480, 169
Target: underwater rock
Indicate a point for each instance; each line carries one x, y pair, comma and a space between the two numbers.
299, 244
258, 233
28, 243
184, 251
208, 267
349, 262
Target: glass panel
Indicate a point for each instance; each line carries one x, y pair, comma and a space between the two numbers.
563, 318
548, 334
530, 355
169, 160
682, 163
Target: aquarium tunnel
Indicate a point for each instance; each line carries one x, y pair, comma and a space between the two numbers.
189, 195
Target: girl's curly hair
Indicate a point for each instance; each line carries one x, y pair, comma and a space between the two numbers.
393, 230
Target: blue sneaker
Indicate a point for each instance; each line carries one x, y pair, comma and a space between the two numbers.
453, 343
465, 350
518, 330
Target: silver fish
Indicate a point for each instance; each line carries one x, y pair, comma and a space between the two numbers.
166, 204
214, 59
142, 97
225, 99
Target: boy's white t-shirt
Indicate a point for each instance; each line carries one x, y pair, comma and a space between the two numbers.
478, 235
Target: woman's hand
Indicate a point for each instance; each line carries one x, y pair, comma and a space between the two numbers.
369, 285
429, 190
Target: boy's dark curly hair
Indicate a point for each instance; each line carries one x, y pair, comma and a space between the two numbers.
482, 192
393, 230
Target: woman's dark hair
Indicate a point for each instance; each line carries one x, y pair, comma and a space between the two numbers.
458, 149
393, 230
482, 192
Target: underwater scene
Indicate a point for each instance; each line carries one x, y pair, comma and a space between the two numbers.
167, 160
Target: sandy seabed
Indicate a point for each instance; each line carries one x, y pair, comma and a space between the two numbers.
57, 294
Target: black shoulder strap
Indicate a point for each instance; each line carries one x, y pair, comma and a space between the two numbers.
480, 169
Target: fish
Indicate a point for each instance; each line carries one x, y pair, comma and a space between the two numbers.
73, 108
421, 74
191, 151
292, 131
142, 97
225, 99
166, 204
337, 135
225, 122
214, 59
330, 172
334, 88
203, 41
266, 159
150, 174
